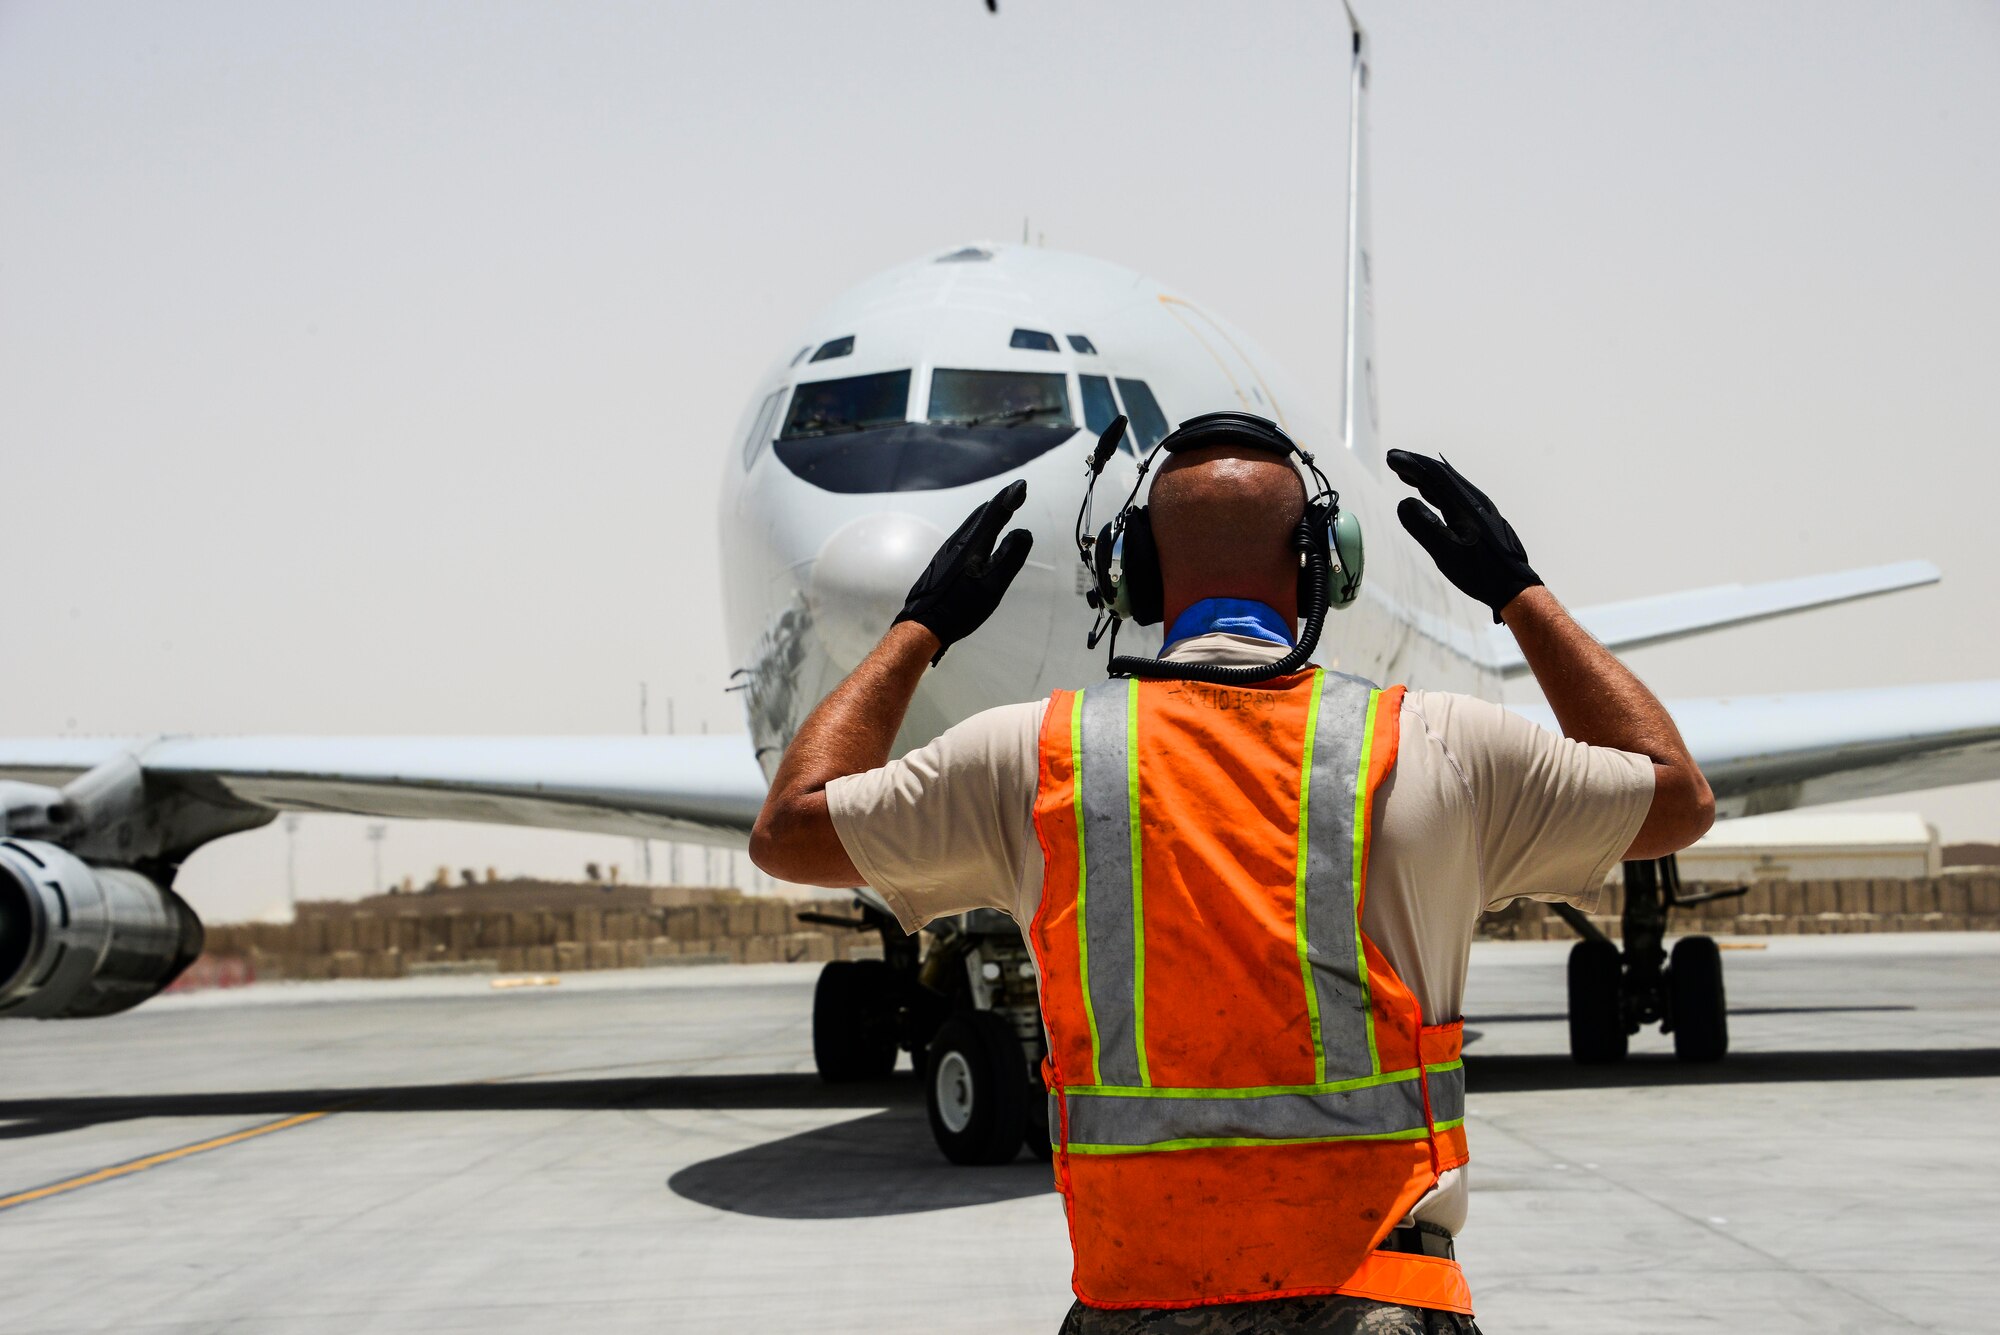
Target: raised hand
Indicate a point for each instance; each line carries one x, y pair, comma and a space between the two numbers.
1476, 548
969, 576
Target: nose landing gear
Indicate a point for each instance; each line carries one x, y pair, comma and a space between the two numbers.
1614, 992
966, 1012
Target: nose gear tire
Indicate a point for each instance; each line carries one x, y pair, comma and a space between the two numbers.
976, 1089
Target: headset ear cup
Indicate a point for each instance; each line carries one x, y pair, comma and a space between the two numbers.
1346, 530
1100, 561
1139, 584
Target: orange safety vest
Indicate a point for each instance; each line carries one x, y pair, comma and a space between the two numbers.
1244, 1096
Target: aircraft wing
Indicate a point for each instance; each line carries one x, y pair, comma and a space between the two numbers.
691, 789
1775, 752
1672, 616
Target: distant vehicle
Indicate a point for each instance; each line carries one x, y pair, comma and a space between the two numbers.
899, 407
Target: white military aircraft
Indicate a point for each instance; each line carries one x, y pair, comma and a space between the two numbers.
903, 404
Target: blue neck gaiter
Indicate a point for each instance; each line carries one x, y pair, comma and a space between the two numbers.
1232, 616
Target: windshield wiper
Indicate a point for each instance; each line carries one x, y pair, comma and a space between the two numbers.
835, 429
1013, 418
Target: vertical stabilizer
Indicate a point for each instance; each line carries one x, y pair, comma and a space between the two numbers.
1359, 416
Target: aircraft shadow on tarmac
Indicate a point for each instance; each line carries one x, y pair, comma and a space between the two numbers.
881, 1162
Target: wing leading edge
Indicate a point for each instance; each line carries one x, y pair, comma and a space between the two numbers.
1637, 622
692, 789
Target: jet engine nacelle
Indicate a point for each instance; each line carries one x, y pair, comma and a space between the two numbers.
78, 940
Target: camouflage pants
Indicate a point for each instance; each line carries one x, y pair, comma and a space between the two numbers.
1285, 1316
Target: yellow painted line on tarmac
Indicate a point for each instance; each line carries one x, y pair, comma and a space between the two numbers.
155, 1160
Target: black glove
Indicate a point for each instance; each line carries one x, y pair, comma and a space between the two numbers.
1474, 547
968, 577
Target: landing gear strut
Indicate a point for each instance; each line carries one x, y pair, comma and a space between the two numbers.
1614, 992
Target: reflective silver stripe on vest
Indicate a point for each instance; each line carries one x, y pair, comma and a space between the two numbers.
1390, 1108
1332, 941
1107, 858
1448, 1095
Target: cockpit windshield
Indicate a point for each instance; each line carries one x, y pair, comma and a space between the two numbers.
999, 398
857, 403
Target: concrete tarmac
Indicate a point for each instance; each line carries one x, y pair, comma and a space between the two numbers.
648, 1150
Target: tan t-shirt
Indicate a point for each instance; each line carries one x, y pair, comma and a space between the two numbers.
1483, 807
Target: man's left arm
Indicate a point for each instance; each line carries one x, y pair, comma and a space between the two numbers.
852, 729
850, 732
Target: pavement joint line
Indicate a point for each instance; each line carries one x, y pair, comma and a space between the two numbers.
1825, 1278
144, 1162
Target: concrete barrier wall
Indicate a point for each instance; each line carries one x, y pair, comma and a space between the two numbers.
344, 943
411, 941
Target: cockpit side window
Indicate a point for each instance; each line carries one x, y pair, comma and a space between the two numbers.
1081, 343
760, 429
1099, 407
857, 403
1149, 424
999, 398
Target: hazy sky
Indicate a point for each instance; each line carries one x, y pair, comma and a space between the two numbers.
372, 367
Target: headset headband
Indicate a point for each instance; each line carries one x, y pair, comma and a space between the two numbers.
1230, 428
1248, 429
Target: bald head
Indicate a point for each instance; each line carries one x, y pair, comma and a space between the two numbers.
1223, 517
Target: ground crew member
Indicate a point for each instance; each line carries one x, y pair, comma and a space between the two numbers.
1251, 905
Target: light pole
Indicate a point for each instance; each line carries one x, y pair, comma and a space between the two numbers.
673, 850
292, 861
707, 853
375, 833
645, 845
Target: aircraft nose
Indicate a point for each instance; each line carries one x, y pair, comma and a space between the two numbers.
862, 575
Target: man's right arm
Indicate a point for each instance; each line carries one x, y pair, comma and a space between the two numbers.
1598, 701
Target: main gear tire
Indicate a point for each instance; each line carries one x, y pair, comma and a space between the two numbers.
854, 1021
1700, 1006
1597, 1032
976, 1089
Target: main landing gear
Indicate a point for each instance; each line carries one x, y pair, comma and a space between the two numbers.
1614, 992
966, 1012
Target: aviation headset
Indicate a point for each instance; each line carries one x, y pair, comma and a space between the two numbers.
1124, 561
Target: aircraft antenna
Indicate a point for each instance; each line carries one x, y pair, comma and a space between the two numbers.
1358, 410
